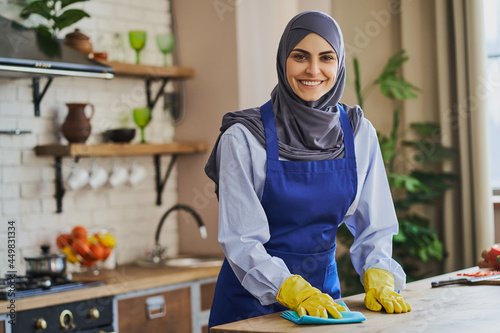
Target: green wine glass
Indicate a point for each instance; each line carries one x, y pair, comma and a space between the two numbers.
165, 43
137, 41
142, 117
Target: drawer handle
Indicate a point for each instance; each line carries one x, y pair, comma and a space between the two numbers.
155, 307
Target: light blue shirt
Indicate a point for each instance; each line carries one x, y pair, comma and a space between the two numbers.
243, 226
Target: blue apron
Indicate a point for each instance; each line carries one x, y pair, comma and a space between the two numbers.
304, 203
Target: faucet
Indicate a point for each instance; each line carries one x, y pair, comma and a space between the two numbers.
158, 251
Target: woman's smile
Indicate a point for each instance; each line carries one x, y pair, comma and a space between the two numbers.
311, 67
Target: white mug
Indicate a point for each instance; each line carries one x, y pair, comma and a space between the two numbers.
137, 174
98, 176
119, 176
79, 178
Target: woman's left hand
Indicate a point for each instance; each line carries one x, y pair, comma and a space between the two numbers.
379, 288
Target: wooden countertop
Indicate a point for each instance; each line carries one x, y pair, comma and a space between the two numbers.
121, 280
453, 308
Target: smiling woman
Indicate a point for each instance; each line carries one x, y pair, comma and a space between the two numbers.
287, 174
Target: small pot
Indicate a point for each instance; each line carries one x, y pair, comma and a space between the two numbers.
79, 42
46, 264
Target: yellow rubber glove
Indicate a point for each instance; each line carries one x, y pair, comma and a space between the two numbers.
298, 295
379, 288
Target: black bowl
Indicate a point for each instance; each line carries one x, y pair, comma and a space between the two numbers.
120, 135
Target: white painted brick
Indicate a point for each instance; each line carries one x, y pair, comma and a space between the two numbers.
10, 108
20, 207
32, 223
9, 191
8, 123
36, 190
90, 199
49, 205
10, 157
20, 174
36, 125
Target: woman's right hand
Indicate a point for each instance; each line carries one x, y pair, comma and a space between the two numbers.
298, 295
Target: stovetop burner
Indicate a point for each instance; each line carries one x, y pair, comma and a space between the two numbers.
25, 286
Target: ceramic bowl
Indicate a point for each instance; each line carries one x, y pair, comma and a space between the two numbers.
121, 135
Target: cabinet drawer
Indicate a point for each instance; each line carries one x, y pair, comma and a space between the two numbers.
207, 291
135, 316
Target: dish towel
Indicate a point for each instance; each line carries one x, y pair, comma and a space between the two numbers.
347, 317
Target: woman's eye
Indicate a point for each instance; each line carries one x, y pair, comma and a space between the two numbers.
299, 56
327, 58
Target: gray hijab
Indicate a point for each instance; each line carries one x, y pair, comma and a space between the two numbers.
307, 131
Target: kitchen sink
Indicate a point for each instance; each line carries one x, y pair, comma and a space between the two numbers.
183, 261
193, 261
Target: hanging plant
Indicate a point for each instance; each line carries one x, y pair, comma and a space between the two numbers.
55, 13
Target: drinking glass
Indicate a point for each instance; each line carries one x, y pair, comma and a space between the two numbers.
137, 41
165, 43
142, 117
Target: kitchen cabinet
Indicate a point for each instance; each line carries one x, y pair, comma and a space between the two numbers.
168, 311
77, 150
174, 308
3, 323
453, 308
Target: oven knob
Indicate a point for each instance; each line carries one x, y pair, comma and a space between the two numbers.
94, 313
40, 324
66, 319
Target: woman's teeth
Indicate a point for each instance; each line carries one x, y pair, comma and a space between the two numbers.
311, 83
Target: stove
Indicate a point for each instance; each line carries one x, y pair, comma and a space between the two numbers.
87, 316
26, 286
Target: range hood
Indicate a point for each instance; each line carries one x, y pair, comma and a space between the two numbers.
24, 53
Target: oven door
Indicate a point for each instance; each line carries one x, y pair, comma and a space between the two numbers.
89, 316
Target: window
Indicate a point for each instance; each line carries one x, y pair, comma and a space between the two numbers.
492, 31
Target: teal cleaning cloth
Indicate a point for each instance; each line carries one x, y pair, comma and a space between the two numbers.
347, 317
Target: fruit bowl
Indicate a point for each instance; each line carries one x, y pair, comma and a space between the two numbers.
87, 248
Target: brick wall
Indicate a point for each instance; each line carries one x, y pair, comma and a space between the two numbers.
27, 181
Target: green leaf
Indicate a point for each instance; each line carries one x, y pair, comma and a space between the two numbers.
400, 237
393, 86
37, 7
427, 129
70, 17
65, 3
357, 81
43, 30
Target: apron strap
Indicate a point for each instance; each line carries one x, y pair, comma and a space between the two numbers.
348, 134
267, 114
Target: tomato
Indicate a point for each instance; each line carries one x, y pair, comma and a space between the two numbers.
492, 256
107, 252
82, 248
63, 240
79, 232
97, 251
87, 262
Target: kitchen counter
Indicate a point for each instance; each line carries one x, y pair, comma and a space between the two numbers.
453, 308
121, 280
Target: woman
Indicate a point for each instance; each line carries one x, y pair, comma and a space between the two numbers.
287, 175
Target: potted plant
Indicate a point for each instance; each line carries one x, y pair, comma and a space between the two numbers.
56, 14
419, 182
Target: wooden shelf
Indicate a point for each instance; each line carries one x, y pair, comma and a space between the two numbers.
117, 149
144, 71
78, 150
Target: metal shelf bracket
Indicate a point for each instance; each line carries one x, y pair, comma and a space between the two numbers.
160, 183
37, 96
152, 102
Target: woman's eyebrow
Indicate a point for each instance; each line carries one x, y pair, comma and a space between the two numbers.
307, 52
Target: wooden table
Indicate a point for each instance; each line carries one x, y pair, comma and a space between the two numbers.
453, 308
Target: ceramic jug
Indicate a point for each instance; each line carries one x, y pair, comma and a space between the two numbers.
76, 127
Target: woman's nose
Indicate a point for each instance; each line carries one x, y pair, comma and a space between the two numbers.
313, 68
